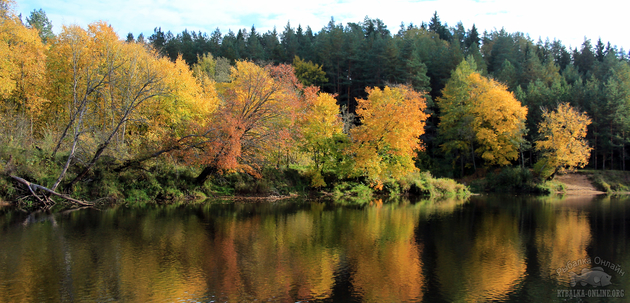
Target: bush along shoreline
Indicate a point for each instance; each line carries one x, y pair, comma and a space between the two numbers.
162, 182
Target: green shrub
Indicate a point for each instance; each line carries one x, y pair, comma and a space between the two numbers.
510, 179
550, 187
423, 183
353, 193
137, 196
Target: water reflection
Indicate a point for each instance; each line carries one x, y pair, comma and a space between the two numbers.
487, 249
384, 253
562, 235
484, 262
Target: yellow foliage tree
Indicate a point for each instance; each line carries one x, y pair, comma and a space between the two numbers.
392, 121
562, 142
499, 121
308, 73
320, 123
106, 92
480, 116
22, 66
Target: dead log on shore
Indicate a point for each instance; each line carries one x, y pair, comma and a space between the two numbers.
32, 187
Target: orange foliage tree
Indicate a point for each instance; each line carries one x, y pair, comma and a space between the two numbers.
254, 119
562, 142
385, 143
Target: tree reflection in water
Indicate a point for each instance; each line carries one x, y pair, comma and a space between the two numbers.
488, 249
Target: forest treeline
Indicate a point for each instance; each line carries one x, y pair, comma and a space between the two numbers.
541, 74
352, 102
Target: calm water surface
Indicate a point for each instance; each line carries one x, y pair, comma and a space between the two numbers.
489, 248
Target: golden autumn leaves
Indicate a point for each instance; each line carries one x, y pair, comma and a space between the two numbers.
381, 148
480, 117
267, 116
386, 141
95, 94
562, 142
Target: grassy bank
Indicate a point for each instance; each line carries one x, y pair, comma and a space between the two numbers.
416, 184
164, 181
517, 180
609, 181
512, 180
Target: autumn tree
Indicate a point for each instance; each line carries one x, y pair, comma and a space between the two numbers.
385, 143
480, 116
321, 127
499, 123
254, 118
205, 66
22, 68
562, 144
106, 93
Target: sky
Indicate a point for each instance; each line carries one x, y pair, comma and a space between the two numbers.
567, 21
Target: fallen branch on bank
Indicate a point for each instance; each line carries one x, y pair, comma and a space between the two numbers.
32, 187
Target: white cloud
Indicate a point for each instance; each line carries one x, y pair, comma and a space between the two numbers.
566, 21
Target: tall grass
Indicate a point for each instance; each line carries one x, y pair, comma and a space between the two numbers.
424, 184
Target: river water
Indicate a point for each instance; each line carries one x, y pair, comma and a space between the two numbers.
486, 248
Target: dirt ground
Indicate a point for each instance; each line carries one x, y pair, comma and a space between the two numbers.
578, 184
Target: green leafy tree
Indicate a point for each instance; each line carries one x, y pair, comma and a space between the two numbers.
255, 50
472, 37
435, 25
309, 73
158, 40
289, 43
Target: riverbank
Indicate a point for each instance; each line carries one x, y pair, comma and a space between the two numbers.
579, 183
164, 182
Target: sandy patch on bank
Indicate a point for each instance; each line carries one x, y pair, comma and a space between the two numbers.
578, 184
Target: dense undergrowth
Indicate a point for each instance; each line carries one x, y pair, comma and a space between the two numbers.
165, 181
520, 180
514, 180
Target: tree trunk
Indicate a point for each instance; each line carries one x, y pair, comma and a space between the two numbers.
67, 165
33, 186
612, 147
522, 158
205, 173
594, 152
472, 152
461, 161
